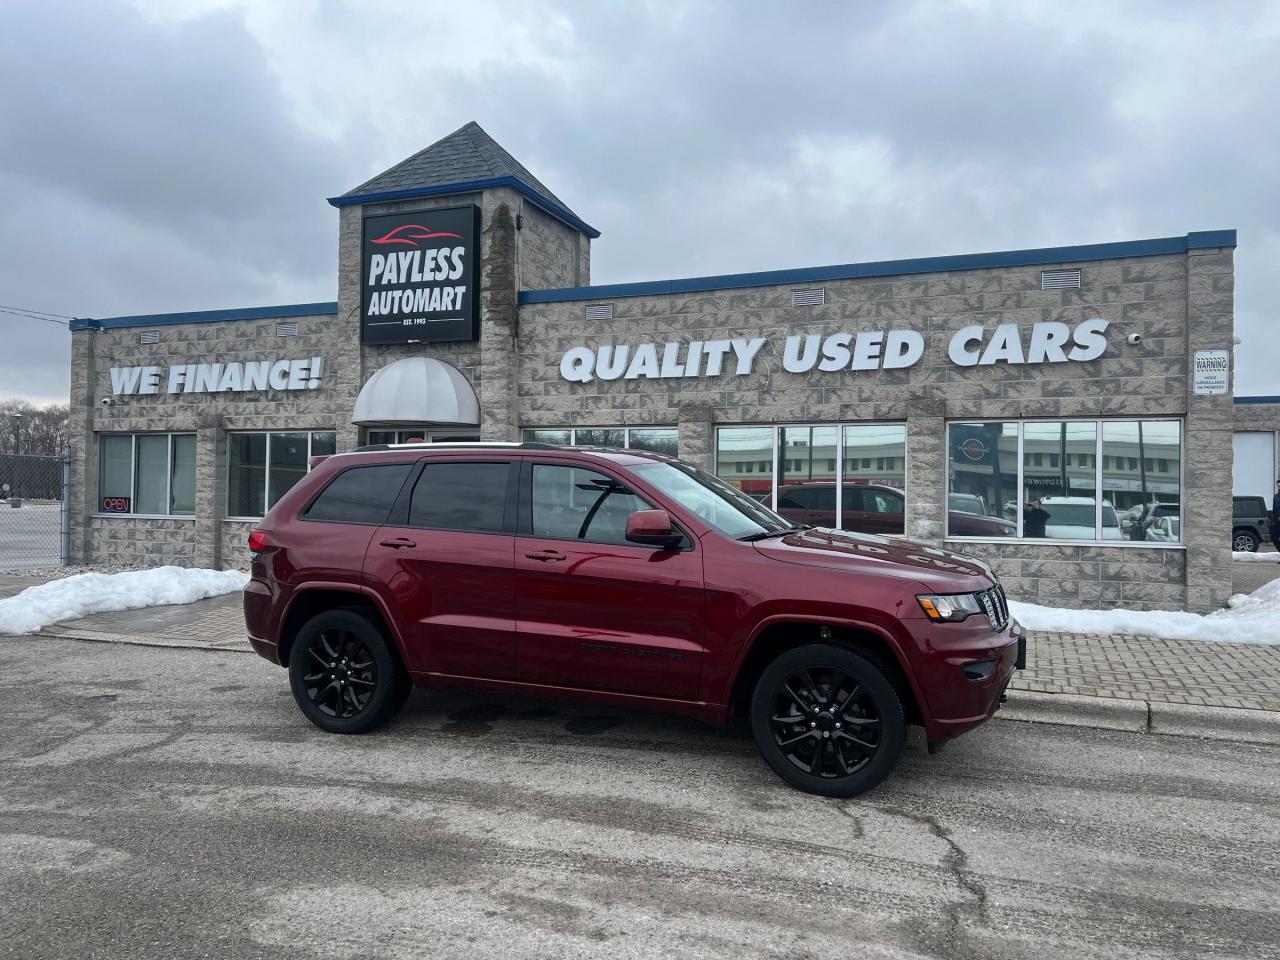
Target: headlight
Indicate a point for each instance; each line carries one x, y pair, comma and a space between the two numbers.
950, 606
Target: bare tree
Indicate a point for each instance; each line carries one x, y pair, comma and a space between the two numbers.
43, 429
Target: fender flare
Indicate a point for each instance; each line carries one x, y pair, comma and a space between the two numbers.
862, 625
311, 586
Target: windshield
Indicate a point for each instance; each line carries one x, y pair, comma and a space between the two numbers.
724, 507
967, 503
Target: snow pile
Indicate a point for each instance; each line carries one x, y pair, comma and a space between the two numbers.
1248, 557
1249, 618
86, 593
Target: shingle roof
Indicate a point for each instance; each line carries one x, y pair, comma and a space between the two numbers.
466, 155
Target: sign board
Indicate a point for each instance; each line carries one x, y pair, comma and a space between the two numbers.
1049, 341
115, 505
234, 377
1211, 372
418, 276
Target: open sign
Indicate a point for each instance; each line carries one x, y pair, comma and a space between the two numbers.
115, 505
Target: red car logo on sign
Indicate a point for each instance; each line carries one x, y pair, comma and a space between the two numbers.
973, 448
411, 233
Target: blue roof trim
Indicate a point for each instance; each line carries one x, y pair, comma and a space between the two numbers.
1256, 399
557, 210
891, 268
205, 316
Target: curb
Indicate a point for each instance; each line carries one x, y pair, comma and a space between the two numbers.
1104, 713
136, 640
1143, 716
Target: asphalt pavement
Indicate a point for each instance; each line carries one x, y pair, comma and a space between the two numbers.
173, 803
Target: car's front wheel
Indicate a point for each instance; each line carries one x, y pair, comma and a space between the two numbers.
1244, 541
828, 720
344, 674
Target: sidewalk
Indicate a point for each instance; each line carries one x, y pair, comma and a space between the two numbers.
1121, 682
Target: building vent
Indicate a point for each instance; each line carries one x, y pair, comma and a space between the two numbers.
286, 328
809, 298
149, 336
1057, 279
600, 311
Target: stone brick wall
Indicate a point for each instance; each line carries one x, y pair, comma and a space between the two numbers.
552, 254
99, 538
1143, 295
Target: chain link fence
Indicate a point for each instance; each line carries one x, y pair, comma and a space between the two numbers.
34, 522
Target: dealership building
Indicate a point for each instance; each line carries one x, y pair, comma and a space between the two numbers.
1063, 413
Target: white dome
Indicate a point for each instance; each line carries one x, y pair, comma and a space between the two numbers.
417, 390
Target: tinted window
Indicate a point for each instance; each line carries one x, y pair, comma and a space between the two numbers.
360, 495
460, 496
1248, 507
572, 503
795, 500
852, 498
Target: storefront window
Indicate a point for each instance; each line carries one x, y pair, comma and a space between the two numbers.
1059, 481
1143, 483
744, 458
809, 457
151, 474
665, 440
262, 467
875, 478
1096, 480
982, 479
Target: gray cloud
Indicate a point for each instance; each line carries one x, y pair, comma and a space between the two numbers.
180, 157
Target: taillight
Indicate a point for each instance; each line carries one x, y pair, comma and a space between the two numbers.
257, 540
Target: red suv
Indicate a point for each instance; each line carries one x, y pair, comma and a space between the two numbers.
623, 578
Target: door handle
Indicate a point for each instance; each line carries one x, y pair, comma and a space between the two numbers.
546, 556
398, 542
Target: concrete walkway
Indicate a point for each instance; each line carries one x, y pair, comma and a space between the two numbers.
1102, 677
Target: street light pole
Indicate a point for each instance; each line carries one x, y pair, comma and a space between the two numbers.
17, 433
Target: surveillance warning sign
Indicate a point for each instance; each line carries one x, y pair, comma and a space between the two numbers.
419, 275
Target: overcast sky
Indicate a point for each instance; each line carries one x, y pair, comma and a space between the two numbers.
164, 155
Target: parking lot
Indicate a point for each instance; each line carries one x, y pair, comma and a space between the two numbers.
174, 803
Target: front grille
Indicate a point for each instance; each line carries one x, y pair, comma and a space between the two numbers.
996, 606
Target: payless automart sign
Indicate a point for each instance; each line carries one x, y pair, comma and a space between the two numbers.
418, 276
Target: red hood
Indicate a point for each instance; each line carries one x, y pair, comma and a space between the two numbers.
938, 570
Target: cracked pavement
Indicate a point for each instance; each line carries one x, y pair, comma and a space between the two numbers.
174, 803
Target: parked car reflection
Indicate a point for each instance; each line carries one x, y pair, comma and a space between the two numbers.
874, 508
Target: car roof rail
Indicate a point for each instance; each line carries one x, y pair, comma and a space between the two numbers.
467, 444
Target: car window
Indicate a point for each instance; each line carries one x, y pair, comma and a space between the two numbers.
1248, 507
877, 501
795, 500
360, 495
574, 503
460, 496
853, 498
823, 498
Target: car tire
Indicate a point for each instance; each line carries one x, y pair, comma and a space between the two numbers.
828, 720
1244, 541
344, 673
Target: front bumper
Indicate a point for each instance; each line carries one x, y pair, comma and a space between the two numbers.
968, 684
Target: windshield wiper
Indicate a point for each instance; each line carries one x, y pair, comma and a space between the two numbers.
770, 534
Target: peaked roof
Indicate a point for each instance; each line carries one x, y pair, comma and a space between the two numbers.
466, 159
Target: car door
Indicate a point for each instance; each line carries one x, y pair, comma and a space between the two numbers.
883, 510
853, 516
592, 610
445, 558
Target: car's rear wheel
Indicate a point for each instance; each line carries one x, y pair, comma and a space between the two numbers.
1244, 541
827, 720
344, 674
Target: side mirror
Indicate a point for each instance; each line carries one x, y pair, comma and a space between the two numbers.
652, 528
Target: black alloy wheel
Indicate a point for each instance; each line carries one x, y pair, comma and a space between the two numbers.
344, 673
827, 720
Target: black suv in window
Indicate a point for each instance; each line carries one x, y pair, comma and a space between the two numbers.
1250, 524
